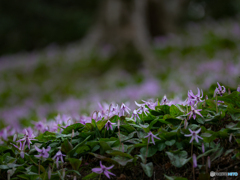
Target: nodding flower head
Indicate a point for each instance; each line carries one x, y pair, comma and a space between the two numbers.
219, 90
103, 169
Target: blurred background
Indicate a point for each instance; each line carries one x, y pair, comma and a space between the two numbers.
64, 57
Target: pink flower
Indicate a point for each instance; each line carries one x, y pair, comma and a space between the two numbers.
193, 113
150, 135
58, 156
20, 148
219, 90
135, 114
109, 125
27, 138
43, 152
142, 108
194, 135
103, 169
124, 108
194, 160
195, 98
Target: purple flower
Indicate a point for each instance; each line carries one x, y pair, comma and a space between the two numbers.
103, 169
194, 135
20, 148
194, 160
109, 125
124, 108
219, 90
142, 108
238, 89
150, 104
164, 101
43, 152
58, 156
193, 113
27, 138
135, 114
150, 135
195, 98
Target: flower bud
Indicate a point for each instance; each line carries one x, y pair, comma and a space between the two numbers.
230, 137
14, 137
194, 160
72, 132
203, 148
185, 124
63, 173
208, 162
49, 172
75, 178
238, 89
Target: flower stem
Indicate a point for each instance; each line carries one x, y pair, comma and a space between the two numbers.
146, 153
100, 177
216, 105
192, 148
39, 167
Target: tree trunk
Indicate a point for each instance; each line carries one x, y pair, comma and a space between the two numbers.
124, 25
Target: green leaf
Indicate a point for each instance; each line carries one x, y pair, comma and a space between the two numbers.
46, 136
91, 176
118, 153
148, 169
122, 160
233, 98
178, 158
66, 146
101, 124
151, 151
170, 143
127, 127
174, 111
4, 167
75, 163
104, 147
165, 109
174, 177
161, 146
70, 153
28, 176
88, 126
76, 127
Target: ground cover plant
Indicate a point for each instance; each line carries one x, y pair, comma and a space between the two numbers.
155, 140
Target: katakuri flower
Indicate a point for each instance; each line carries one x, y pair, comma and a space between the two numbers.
150, 104
193, 113
58, 156
135, 114
194, 135
29, 136
43, 152
109, 125
195, 98
103, 169
124, 108
20, 148
164, 101
152, 136
238, 89
219, 90
142, 108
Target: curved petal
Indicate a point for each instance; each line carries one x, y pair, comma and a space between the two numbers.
110, 167
38, 150
191, 139
190, 130
38, 156
97, 170
187, 135
198, 131
106, 174
196, 138
48, 148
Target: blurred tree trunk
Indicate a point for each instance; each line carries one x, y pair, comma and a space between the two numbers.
128, 26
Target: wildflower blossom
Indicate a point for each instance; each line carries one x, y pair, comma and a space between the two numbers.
164, 101
103, 169
27, 138
194, 98
219, 90
135, 114
150, 104
152, 136
58, 156
193, 113
109, 125
238, 89
124, 108
194, 135
20, 148
43, 152
142, 108
203, 148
